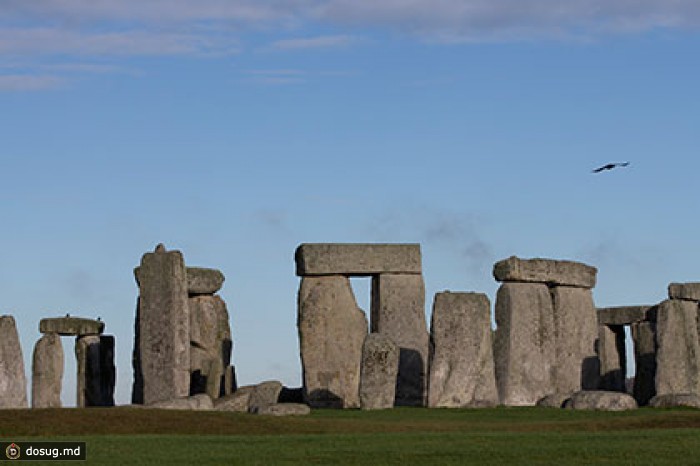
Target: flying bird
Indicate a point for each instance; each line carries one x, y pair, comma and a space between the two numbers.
610, 166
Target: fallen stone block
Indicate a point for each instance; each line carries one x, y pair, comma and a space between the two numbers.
13, 384
555, 400
380, 365
461, 364
675, 400
284, 409
264, 394
238, 401
200, 402
47, 372
687, 291
357, 259
601, 401
71, 326
548, 271
626, 315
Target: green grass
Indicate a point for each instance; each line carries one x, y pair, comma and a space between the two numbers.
395, 437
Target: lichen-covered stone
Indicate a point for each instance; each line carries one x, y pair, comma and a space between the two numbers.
201, 280
357, 259
200, 402
461, 364
71, 326
601, 401
626, 315
264, 394
332, 330
47, 372
211, 345
13, 383
380, 365
548, 271
524, 350
237, 401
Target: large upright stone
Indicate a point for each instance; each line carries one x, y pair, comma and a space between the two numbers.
47, 372
552, 272
164, 336
576, 328
613, 362
678, 353
357, 259
96, 373
644, 338
210, 340
461, 363
398, 312
524, 350
13, 384
331, 332
380, 365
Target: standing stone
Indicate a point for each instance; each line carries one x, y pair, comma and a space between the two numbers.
331, 332
644, 337
96, 373
576, 328
461, 363
613, 362
525, 347
380, 365
47, 372
13, 384
398, 312
210, 340
163, 326
678, 353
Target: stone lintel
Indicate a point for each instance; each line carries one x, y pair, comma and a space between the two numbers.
71, 326
686, 291
548, 271
200, 280
626, 315
357, 259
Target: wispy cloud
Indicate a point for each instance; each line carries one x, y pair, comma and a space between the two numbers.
315, 42
23, 82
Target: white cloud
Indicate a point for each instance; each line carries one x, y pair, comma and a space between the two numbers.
22, 82
315, 42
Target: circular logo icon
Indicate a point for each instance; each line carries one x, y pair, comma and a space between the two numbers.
12, 451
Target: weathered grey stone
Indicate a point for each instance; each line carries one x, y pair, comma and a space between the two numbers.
626, 315
552, 272
524, 349
96, 373
71, 326
461, 363
671, 400
576, 328
13, 384
284, 409
678, 351
687, 291
611, 353
380, 365
644, 338
210, 340
555, 400
398, 312
357, 259
331, 332
238, 401
200, 402
203, 281
601, 401
264, 394
47, 372
163, 334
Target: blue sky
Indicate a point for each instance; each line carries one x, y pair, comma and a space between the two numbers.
234, 131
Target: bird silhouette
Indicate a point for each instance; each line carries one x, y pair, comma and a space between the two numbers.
610, 166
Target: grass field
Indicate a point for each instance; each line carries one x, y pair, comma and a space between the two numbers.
400, 436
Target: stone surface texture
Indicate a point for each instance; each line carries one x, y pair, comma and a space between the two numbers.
398, 312
13, 382
284, 409
626, 315
462, 370
332, 330
601, 400
357, 259
163, 328
264, 394
378, 371
210, 344
687, 400
678, 350
553, 272
238, 401
200, 402
687, 291
644, 338
96, 377
47, 372
524, 350
612, 357
576, 331
71, 326
201, 280
555, 400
